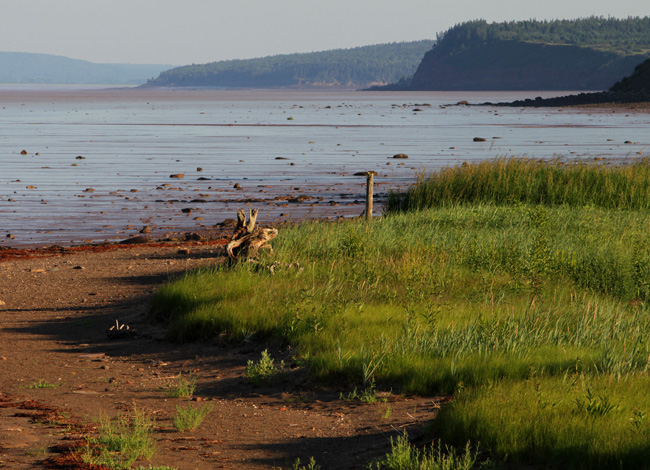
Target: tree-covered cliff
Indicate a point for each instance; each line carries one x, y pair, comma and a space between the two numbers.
582, 54
355, 67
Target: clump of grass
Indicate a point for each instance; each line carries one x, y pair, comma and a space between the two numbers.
312, 465
190, 418
181, 387
263, 371
367, 395
404, 456
42, 383
529, 181
122, 441
157, 467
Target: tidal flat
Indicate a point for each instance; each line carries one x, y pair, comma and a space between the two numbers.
98, 162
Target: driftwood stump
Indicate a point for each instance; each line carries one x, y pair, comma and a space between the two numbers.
247, 242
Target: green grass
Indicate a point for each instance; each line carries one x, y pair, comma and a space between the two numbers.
122, 441
180, 387
42, 383
404, 456
504, 181
486, 298
311, 465
190, 418
579, 421
263, 371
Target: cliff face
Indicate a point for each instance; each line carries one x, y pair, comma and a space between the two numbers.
517, 65
638, 82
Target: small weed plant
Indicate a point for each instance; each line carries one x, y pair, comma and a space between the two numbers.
190, 417
367, 395
311, 465
42, 383
404, 456
157, 467
122, 441
181, 387
263, 371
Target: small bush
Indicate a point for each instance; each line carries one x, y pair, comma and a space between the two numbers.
190, 418
182, 387
121, 441
263, 371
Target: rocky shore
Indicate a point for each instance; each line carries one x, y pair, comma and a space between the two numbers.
638, 100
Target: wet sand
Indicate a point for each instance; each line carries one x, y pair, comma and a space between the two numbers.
99, 162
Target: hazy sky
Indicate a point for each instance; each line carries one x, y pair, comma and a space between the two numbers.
181, 32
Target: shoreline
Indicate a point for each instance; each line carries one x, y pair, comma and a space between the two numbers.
102, 166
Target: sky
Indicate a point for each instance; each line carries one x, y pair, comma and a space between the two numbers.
180, 32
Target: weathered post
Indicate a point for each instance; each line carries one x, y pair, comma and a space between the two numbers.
370, 184
369, 193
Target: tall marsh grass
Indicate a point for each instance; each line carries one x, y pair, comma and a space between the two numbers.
518, 303
529, 181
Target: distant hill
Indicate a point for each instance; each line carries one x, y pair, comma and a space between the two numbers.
355, 67
582, 54
23, 67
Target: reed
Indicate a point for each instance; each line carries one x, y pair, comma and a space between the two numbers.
530, 181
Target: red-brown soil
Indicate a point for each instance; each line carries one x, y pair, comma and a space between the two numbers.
56, 309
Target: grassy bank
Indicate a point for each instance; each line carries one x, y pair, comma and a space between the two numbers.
517, 180
528, 312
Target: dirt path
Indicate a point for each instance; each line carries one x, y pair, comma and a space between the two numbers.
54, 316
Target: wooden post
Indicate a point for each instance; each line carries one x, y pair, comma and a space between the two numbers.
369, 193
369, 190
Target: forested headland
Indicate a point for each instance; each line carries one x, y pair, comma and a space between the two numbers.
355, 67
581, 54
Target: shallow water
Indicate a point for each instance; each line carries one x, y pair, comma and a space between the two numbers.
272, 143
